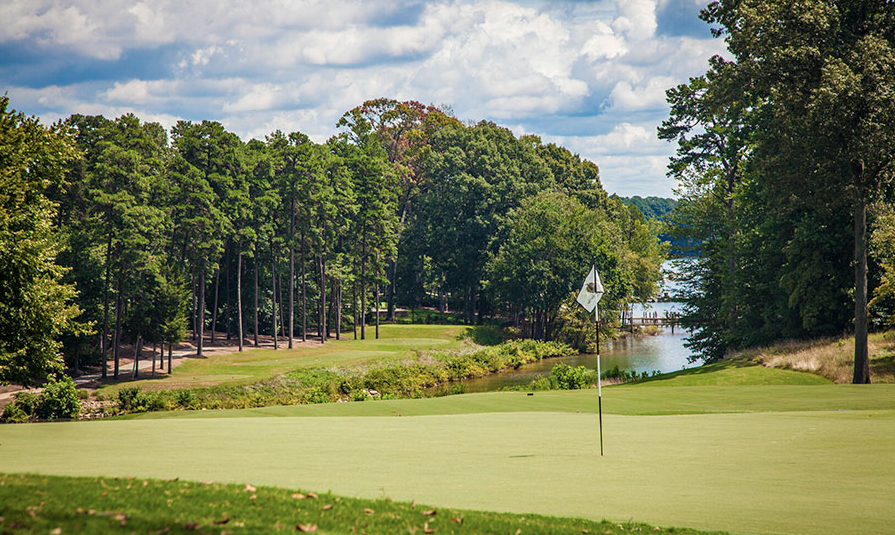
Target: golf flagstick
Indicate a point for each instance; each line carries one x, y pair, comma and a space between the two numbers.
599, 374
590, 294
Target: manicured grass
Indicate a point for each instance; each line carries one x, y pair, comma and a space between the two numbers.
40, 504
735, 372
395, 342
818, 469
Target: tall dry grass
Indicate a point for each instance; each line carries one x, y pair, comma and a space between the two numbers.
830, 358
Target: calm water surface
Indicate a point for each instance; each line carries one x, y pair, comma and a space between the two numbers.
664, 353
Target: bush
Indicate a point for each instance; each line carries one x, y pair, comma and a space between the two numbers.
59, 399
132, 399
185, 398
14, 414
569, 378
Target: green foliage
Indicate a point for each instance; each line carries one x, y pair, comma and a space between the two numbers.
569, 378
36, 307
412, 378
72, 504
779, 149
59, 399
651, 207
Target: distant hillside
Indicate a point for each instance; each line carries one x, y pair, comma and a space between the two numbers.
651, 207
657, 208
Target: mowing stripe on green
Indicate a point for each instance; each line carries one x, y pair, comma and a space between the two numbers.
796, 472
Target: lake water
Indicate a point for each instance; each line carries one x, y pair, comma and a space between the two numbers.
663, 353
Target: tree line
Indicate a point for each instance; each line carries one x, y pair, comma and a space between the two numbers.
154, 236
785, 162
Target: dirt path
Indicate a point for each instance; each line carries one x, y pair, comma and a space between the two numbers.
91, 378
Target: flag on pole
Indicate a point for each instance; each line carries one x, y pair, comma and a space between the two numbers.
591, 291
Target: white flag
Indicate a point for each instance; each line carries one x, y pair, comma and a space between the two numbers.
591, 291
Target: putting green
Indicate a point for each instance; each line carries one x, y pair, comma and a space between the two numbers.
753, 472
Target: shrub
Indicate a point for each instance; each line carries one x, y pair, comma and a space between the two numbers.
14, 414
59, 399
569, 378
132, 399
185, 398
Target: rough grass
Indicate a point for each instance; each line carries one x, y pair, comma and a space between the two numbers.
744, 472
830, 358
396, 342
41, 504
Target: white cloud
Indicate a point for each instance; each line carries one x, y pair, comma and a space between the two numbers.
636, 18
648, 96
589, 75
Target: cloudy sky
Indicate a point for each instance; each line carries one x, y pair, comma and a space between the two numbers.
589, 75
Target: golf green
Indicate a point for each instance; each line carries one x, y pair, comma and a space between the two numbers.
816, 470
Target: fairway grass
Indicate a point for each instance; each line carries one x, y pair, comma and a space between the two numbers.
751, 459
395, 343
103, 505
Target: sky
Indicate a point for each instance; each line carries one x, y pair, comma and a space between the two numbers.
587, 75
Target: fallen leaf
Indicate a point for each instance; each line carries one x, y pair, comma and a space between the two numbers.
369, 511
518, 531
227, 532
91, 511
130, 478
427, 529
161, 531
306, 528
57, 531
312, 495
253, 497
327, 507
221, 522
80, 511
584, 531
191, 526
250, 488
457, 520
123, 523
298, 496
431, 512
413, 506
1, 519
145, 482
120, 516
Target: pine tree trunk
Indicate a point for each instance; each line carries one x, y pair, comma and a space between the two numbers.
200, 308
118, 305
239, 299
193, 302
363, 287
256, 295
214, 311
227, 290
273, 296
104, 342
291, 271
322, 297
154, 345
354, 307
304, 302
138, 348
339, 310
862, 351
170, 351
377, 312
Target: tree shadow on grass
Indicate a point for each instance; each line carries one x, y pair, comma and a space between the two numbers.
705, 369
484, 335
